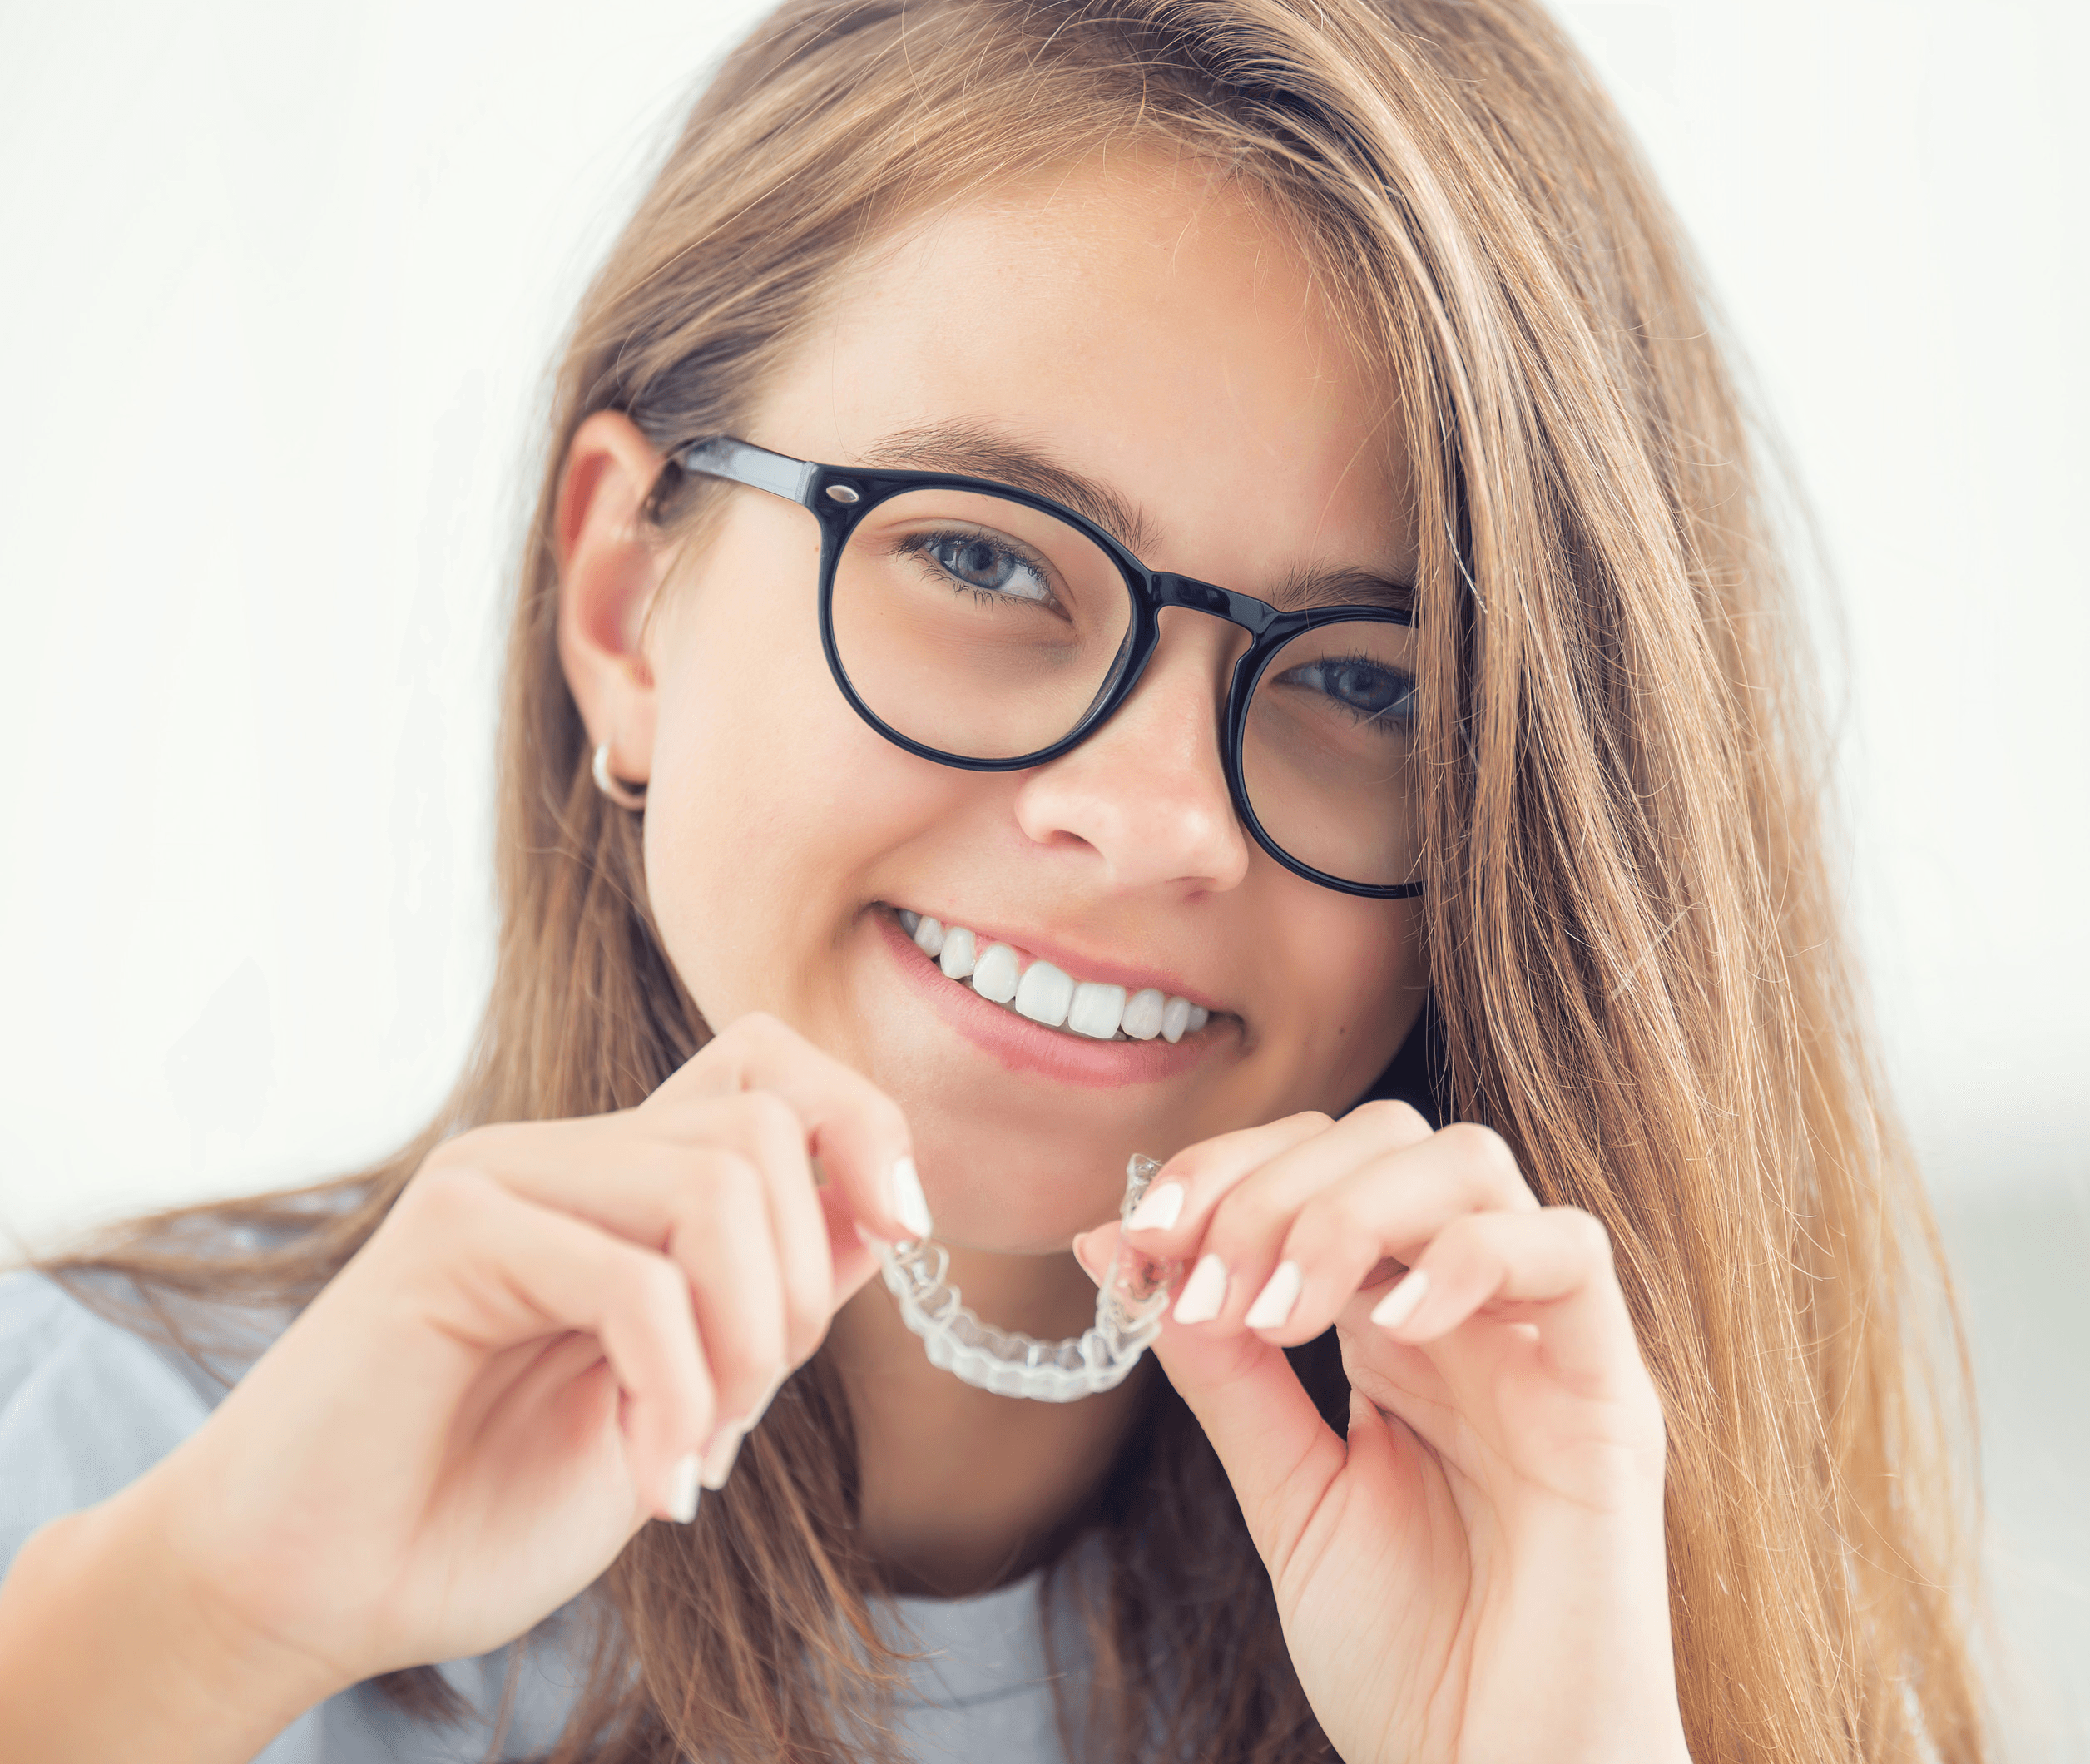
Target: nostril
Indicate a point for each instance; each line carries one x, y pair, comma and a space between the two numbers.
1147, 825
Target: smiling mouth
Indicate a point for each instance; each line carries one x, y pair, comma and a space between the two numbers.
1049, 996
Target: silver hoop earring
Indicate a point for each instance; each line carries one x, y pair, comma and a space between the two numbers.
624, 798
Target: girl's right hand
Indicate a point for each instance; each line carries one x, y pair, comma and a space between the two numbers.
555, 1326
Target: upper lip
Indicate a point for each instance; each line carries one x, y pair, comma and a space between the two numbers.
1072, 961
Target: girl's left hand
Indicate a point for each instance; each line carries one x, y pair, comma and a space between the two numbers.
1477, 1571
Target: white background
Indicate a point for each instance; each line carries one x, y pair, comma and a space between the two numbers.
281, 284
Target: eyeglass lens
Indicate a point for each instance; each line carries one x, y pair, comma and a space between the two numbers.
988, 630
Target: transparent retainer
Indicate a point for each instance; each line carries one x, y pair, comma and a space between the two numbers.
1129, 1307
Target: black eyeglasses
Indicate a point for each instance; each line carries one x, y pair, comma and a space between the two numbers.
980, 626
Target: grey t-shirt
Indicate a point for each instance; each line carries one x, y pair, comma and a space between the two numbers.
86, 1406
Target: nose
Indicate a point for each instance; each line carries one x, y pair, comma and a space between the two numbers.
1146, 792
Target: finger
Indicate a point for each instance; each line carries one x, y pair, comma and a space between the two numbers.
1300, 1239
1553, 1265
762, 1127
855, 1131
1239, 1267
724, 1245
644, 1176
1170, 1214
854, 1261
500, 1269
1277, 1452
692, 1201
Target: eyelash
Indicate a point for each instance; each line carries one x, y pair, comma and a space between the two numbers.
1388, 718
924, 545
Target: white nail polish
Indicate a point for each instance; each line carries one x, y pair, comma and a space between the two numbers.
1274, 1303
1204, 1293
1399, 1305
718, 1462
909, 1205
1158, 1209
682, 1485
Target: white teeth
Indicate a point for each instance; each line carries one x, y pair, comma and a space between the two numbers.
1095, 1010
1048, 994
1143, 1013
959, 953
994, 973
1043, 994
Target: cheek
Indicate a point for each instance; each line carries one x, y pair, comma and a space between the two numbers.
1380, 978
750, 753
1352, 976
770, 802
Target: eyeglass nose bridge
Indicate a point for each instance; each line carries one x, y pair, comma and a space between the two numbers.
1253, 616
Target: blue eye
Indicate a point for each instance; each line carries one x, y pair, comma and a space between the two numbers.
1367, 688
984, 564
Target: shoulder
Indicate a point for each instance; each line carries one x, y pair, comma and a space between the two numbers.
87, 1404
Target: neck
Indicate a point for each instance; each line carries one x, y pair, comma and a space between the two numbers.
964, 1490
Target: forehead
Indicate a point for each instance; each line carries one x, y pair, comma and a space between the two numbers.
1145, 322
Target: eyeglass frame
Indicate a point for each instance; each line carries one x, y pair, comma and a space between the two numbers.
840, 497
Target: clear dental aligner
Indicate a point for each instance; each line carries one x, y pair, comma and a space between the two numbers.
1129, 1307
1049, 995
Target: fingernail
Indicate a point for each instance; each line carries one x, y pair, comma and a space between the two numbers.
1204, 1292
1399, 1305
681, 1494
718, 1462
1274, 1303
908, 1207
1158, 1209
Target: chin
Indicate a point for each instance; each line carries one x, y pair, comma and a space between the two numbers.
990, 1190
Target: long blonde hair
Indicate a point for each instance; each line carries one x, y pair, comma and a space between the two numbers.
1637, 973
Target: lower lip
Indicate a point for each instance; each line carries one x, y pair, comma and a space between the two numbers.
1023, 1046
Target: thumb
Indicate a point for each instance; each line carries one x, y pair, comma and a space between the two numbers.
1278, 1453
852, 1261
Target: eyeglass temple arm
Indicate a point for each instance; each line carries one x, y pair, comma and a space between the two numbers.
720, 456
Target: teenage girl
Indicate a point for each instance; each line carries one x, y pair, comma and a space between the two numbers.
1178, 576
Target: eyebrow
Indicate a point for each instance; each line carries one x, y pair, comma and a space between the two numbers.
974, 449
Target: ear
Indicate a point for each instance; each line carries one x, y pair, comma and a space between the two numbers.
610, 565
